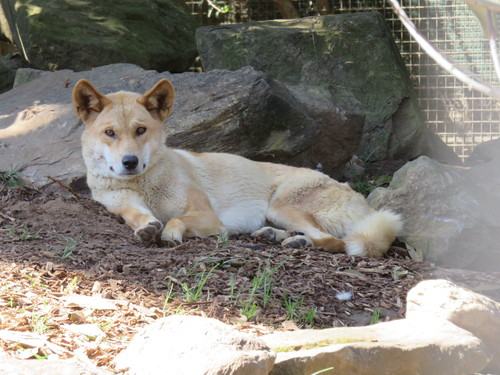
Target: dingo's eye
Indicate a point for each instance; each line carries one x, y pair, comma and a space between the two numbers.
109, 132
140, 130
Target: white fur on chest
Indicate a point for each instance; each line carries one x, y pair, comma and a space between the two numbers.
245, 217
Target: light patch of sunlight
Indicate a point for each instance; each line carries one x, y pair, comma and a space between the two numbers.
31, 10
33, 118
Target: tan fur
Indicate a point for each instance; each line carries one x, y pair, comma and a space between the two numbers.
171, 194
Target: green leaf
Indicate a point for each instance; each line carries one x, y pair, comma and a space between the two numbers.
354, 272
398, 272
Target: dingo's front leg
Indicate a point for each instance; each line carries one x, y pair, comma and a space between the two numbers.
146, 227
130, 206
199, 220
193, 224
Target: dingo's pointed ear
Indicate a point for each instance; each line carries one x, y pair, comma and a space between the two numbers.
88, 102
159, 101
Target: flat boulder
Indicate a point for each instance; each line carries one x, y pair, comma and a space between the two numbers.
187, 345
244, 112
79, 35
400, 347
466, 309
336, 64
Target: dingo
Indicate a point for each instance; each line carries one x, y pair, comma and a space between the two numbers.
167, 194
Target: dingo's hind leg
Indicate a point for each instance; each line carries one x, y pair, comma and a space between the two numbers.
272, 234
293, 219
323, 241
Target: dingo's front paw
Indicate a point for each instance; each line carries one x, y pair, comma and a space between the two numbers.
149, 232
171, 239
297, 242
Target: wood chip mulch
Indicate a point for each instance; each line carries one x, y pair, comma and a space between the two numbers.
76, 283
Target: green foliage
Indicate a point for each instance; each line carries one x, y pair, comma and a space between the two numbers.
297, 312
222, 239
249, 309
220, 7
193, 292
375, 316
39, 324
365, 186
35, 281
71, 244
191, 285
22, 233
323, 371
260, 293
187, 286
11, 178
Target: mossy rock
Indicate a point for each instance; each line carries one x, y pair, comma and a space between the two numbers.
82, 34
352, 58
6, 77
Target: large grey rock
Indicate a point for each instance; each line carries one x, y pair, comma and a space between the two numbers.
188, 345
401, 347
341, 130
468, 310
25, 75
449, 219
243, 112
350, 61
79, 35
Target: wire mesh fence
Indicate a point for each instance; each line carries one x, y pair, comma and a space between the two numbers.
462, 117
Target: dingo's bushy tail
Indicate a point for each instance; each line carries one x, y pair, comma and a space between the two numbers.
373, 235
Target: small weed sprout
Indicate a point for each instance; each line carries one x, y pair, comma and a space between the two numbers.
71, 286
36, 281
222, 239
249, 309
296, 311
11, 178
39, 324
323, 371
366, 186
22, 233
310, 316
37, 356
375, 316
190, 293
260, 290
168, 297
71, 244
292, 306
193, 293
26, 235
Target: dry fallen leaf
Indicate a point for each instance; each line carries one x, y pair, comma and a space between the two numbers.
90, 302
415, 253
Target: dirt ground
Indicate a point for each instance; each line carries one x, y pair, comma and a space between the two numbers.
56, 247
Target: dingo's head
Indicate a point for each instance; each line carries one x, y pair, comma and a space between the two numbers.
123, 130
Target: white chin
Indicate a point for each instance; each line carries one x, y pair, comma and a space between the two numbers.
127, 175
124, 174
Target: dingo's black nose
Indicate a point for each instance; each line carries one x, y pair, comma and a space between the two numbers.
130, 162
